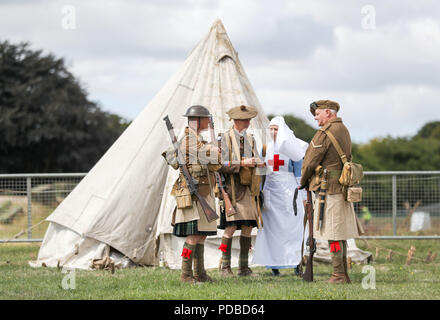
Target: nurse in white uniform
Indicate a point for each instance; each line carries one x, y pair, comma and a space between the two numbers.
278, 243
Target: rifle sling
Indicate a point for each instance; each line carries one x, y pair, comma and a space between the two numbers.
336, 145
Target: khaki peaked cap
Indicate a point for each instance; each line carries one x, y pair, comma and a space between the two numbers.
242, 112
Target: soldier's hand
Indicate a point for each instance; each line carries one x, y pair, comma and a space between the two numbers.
260, 163
248, 162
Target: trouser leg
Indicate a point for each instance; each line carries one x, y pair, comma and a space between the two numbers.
225, 247
187, 260
243, 266
199, 264
337, 253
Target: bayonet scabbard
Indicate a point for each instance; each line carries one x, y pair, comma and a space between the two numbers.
322, 194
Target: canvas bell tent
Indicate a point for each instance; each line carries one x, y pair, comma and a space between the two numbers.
122, 208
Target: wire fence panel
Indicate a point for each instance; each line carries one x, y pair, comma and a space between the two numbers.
26, 200
393, 203
400, 203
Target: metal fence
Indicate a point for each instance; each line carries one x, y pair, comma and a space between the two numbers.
400, 203
27, 199
395, 204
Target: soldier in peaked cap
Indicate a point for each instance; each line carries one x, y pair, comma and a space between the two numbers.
189, 219
339, 221
239, 160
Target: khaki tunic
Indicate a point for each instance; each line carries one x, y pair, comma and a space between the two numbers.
245, 203
339, 221
197, 151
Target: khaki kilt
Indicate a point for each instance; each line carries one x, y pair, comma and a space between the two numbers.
339, 221
246, 208
196, 213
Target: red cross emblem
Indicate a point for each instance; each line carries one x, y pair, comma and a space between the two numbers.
276, 162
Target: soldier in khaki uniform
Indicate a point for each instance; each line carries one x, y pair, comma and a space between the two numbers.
339, 222
189, 219
239, 160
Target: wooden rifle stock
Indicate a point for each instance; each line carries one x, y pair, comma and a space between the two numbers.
308, 274
210, 214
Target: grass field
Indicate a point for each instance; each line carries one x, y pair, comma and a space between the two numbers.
394, 280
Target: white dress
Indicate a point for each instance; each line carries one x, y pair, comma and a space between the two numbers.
278, 243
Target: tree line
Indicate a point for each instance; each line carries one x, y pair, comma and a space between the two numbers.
47, 123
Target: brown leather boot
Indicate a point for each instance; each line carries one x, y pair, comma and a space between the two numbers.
187, 259
226, 271
246, 272
187, 278
199, 264
338, 275
337, 278
243, 267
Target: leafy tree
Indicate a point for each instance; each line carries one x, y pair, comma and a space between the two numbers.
429, 130
388, 154
47, 124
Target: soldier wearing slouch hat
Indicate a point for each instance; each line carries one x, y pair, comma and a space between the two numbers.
239, 161
339, 219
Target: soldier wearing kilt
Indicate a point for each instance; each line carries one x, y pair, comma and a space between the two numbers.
189, 220
339, 219
239, 160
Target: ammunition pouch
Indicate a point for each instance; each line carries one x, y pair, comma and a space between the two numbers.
197, 171
245, 176
181, 192
354, 194
184, 199
352, 174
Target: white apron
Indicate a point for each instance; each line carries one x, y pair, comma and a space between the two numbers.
278, 243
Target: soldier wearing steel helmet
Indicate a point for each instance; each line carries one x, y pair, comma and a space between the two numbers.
339, 219
188, 219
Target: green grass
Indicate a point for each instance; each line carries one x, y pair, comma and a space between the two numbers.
394, 280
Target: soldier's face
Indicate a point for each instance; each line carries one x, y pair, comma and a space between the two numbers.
322, 116
204, 124
241, 124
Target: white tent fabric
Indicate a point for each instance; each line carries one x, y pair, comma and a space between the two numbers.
124, 201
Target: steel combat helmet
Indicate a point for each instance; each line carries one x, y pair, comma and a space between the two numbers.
197, 111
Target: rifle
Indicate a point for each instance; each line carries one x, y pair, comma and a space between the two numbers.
308, 274
211, 215
229, 208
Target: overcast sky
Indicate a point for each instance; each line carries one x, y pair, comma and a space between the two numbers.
379, 59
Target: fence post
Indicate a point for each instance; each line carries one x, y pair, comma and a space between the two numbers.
394, 199
29, 203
